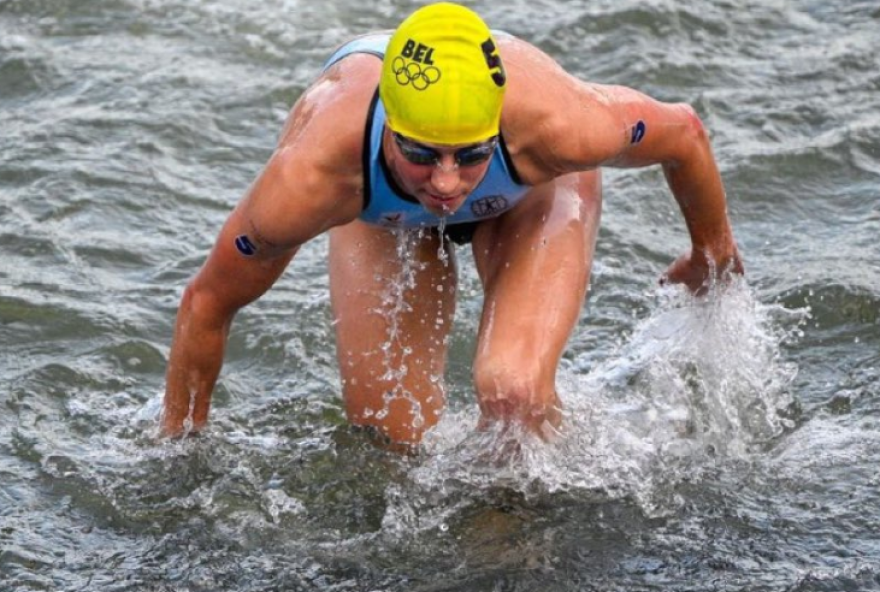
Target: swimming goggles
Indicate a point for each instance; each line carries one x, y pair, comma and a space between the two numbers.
424, 155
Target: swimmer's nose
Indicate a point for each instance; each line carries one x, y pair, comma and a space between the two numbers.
445, 175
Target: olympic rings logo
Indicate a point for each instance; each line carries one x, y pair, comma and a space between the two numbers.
413, 73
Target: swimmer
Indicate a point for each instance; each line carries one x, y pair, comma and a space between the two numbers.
455, 135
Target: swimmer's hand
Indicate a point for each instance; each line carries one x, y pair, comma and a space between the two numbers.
698, 270
542, 418
176, 432
178, 420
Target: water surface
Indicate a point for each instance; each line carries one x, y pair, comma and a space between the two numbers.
726, 444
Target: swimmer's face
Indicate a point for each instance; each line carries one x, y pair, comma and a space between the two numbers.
440, 176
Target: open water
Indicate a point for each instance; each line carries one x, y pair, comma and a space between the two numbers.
727, 444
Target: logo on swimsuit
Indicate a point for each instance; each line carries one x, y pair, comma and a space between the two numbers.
412, 72
394, 219
489, 206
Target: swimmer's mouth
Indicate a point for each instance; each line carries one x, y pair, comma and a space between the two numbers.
443, 199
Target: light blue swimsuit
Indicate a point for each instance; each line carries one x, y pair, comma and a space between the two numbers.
386, 204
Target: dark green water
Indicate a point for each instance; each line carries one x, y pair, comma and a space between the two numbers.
732, 444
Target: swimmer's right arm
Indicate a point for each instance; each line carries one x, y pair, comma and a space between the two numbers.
224, 284
253, 249
312, 182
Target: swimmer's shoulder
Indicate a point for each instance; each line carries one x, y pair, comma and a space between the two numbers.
530, 119
325, 131
337, 103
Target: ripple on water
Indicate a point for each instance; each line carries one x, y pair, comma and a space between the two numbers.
26, 67
130, 127
833, 305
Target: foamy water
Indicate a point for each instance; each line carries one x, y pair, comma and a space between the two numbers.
700, 382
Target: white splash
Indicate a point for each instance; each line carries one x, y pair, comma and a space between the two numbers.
698, 381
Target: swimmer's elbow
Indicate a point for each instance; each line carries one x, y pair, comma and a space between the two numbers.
692, 141
693, 125
207, 305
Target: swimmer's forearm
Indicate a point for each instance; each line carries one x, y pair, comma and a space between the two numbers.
696, 184
194, 365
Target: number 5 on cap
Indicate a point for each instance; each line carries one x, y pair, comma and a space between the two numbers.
493, 60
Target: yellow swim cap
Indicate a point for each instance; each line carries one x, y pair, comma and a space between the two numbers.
442, 78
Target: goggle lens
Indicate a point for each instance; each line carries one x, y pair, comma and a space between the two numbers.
420, 154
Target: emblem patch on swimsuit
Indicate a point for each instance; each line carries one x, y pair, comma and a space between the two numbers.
490, 206
393, 219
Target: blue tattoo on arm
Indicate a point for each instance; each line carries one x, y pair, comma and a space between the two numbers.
638, 132
245, 246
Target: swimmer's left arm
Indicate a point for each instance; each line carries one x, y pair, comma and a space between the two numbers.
555, 124
673, 136
626, 128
